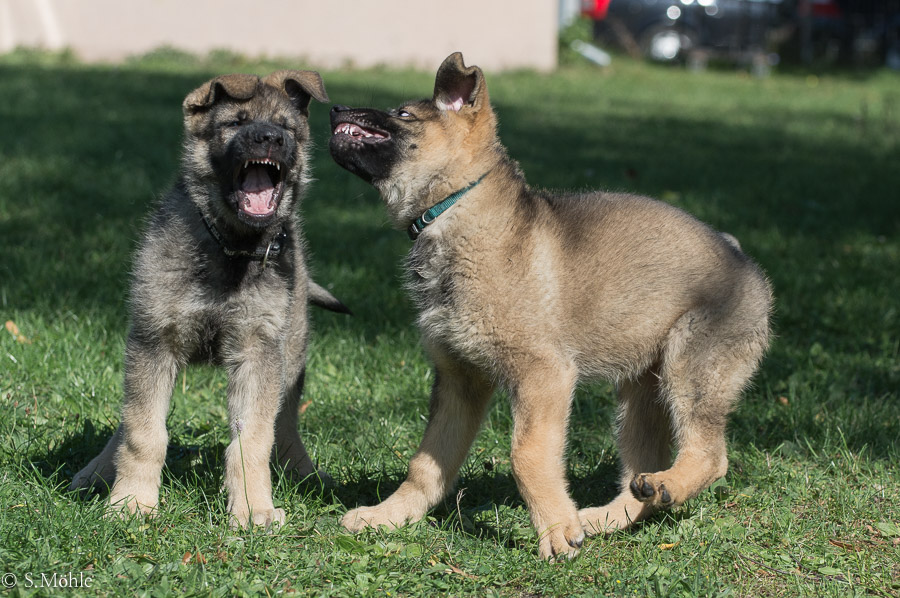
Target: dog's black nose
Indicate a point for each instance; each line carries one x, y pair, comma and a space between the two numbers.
340, 108
267, 134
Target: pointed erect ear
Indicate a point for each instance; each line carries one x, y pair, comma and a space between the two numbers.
457, 86
238, 87
299, 86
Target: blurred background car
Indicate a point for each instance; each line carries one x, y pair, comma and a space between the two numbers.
750, 31
666, 30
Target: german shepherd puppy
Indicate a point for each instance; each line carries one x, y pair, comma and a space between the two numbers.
533, 291
220, 275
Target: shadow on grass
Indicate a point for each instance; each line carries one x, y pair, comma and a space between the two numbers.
470, 506
199, 464
96, 146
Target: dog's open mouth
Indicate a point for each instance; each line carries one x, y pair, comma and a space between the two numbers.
258, 185
359, 133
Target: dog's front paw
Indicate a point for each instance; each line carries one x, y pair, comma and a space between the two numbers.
267, 518
617, 515
124, 504
561, 541
376, 516
651, 489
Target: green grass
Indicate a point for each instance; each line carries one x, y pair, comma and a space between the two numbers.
804, 171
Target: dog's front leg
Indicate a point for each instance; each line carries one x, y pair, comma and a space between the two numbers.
255, 385
458, 400
541, 399
142, 439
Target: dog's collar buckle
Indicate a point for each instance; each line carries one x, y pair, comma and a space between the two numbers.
413, 231
429, 216
274, 248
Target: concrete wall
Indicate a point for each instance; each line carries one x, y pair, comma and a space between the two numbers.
497, 34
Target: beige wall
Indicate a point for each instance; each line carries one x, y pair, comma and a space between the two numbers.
497, 34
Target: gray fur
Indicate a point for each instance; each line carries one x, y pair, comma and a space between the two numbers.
191, 301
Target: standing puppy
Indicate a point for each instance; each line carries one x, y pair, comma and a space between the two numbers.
220, 275
533, 291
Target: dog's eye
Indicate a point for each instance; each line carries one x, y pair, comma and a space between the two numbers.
239, 120
403, 114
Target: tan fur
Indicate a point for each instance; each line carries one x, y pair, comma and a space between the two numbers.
193, 301
534, 291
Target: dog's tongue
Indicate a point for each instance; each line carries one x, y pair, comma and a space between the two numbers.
257, 191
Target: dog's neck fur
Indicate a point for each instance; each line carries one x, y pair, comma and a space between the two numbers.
429, 215
407, 200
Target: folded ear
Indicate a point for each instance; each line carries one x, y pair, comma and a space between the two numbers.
238, 87
457, 86
299, 86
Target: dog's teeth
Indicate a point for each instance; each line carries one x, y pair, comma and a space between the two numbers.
247, 164
278, 166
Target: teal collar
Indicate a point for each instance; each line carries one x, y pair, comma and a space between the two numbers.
416, 228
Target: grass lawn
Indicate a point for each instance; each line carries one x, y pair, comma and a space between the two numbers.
804, 170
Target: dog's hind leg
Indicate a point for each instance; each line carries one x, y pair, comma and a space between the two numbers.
289, 452
459, 397
644, 438
708, 359
142, 438
101, 471
541, 400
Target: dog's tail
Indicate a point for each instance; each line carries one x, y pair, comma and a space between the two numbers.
319, 297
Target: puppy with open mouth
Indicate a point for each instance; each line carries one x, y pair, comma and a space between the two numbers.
220, 276
533, 291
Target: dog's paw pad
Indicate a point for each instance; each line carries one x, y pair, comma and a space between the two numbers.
664, 496
647, 489
641, 488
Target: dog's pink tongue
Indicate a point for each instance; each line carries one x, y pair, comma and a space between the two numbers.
258, 191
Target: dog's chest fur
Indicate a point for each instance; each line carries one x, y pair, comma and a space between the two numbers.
431, 282
462, 295
206, 306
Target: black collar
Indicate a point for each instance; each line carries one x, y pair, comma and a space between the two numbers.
261, 253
